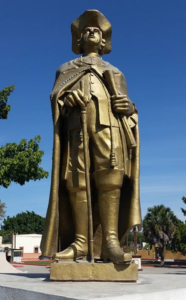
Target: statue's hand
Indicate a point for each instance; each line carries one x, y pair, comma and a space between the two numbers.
122, 104
76, 98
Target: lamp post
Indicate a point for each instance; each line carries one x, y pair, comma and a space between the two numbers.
135, 240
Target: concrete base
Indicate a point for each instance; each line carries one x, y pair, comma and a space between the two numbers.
85, 271
5, 266
153, 283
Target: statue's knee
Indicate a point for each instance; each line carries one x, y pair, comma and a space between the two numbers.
75, 181
109, 179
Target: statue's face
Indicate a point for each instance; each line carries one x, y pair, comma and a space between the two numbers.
92, 35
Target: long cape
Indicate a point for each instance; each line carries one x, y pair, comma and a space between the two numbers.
59, 228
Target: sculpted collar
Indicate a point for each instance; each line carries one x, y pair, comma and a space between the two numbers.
91, 60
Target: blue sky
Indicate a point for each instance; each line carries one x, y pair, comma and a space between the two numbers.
148, 46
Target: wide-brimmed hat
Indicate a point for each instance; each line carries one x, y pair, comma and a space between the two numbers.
91, 18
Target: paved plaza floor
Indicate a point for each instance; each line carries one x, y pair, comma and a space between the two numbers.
164, 283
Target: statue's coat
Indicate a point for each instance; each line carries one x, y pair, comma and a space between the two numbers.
58, 232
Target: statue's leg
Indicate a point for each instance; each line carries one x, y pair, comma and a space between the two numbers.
78, 249
109, 208
108, 183
76, 187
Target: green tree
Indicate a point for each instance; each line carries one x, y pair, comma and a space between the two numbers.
23, 223
2, 210
4, 107
159, 226
20, 162
179, 239
140, 238
182, 209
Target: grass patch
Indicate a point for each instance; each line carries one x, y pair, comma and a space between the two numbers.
149, 263
39, 263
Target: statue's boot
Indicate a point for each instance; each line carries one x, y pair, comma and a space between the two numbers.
79, 248
109, 213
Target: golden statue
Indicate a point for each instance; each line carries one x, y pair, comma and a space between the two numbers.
94, 197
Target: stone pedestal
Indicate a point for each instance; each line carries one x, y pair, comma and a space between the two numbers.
85, 271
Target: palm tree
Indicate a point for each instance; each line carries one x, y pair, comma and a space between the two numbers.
159, 226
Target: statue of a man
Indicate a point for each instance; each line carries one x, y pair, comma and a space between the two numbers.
112, 134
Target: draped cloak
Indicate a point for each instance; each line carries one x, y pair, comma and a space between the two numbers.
58, 231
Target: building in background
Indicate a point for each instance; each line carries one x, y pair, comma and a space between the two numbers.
28, 243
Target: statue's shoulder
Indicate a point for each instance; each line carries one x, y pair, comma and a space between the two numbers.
67, 66
108, 66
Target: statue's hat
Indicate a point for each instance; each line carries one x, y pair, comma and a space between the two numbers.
91, 18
